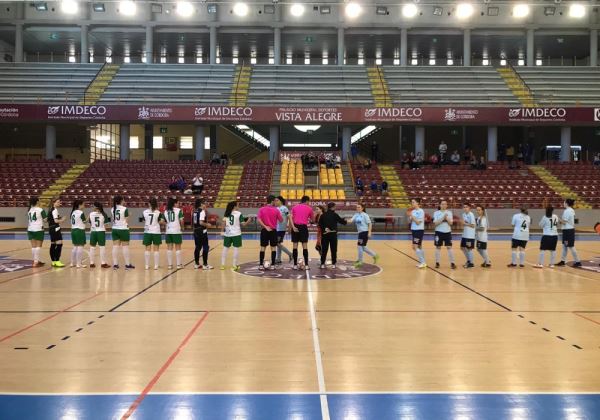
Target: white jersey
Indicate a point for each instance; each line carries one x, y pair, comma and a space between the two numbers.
482, 229
549, 225
118, 218
468, 231
233, 224
444, 226
35, 217
97, 222
151, 221
521, 223
78, 219
568, 217
173, 218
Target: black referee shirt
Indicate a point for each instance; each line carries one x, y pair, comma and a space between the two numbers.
329, 220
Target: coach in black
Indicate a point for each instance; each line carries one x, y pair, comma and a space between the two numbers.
328, 223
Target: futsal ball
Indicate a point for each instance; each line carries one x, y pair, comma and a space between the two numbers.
266, 264
301, 263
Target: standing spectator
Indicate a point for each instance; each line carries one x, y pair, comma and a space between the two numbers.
384, 187
374, 186
374, 151
455, 158
405, 161
520, 155
224, 159
216, 159
443, 149
354, 152
197, 184
360, 186
368, 164
597, 159
510, 157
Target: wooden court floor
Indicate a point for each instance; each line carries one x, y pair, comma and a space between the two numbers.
78, 331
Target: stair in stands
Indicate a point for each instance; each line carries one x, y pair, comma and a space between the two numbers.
98, 85
61, 184
229, 186
379, 87
240, 86
517, 86
558, 186
398, 195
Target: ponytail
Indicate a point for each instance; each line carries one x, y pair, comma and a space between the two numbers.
230, 206
153, 203
33, 201
116, 201
51, 206
76, 205
99, 206
171, 203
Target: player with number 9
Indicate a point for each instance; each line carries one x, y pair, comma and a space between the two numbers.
233, 221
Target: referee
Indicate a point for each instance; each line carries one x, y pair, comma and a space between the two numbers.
328, 223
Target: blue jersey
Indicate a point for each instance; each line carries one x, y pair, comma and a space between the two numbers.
362, 221
468, 231
418, 214
285, 214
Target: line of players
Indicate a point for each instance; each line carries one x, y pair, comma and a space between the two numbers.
475, 234
275, 219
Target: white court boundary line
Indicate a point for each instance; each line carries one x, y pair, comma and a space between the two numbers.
250, 393
317, 349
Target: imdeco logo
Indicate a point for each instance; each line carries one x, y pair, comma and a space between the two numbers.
514, 113
596, 114
77, 110
53, 110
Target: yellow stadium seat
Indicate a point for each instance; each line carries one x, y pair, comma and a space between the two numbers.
333, 195
341, 195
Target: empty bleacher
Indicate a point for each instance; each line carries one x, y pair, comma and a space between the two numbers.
497, 187
170, 84
45, 83
447, 86
255, 184
562, 85
138, 181
310, 85
22, 179
581, 178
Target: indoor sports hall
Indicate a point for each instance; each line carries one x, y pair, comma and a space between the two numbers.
271, 210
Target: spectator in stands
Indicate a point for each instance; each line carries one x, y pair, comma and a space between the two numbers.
473, 162
501, 152
374, 151
597, 159
418, 161
360, 186
510, 156
405, 161
455, 158
216, 159
443, 149
173, 184
329, 162
224, 159
374, 186
181, 184
354, 152
482, 163
434, 161
384, 187
337, 161
520, 155
468, 154
368, 164
197, 184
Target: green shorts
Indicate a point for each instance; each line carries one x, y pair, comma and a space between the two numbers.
236, 241
120, 235
35, 236
98, 238
78, 237
174, 238
152, 239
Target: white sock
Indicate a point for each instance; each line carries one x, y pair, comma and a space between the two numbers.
573, 251
79, 255
147, 258
224, 255
236, 251
37, 251
522, 257
126, 254
451, 255
513, 257
74, 256
34, 254
92, 255
552, 257
470, 255
541, 258
156, 258
178, 256
115, 254
438, 255
169, 257
102, 255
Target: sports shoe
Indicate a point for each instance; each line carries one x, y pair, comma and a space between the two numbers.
92, 265
577, 264
116, 267
156, 267
538, 266
522, 265
551, 266
222, 267
170, 267
453, 266
486, 265
469, 265
437, 265
70, 265
272, 267
358, 264
180, 266
322, 266
104, 265
261, 267
147, 267
422, 265
39, 263
278, 262
376, 259
333, 266
235, 268
511, 265
129, 267
58, 264
196, 266
52, 263
81, 266
207, 267
295, 267
561, 264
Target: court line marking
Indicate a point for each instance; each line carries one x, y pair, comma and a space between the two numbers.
250, 393
456, 281
55, 314
586, 318
43, 271
164, 368
317, 349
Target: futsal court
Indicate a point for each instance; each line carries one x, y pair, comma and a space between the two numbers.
381, 342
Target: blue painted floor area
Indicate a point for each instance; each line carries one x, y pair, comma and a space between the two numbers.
305, 407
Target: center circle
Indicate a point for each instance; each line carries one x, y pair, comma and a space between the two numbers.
345, 270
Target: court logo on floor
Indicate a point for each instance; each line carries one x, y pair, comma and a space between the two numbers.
590, 265
344, 270
9, 265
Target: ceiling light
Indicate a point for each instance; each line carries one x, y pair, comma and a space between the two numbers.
432, 61
414, 62
163, 60
549, 11
199, 59
98, 7
235, 60
381, 10
288, 60
269, 9
252, 60
437, 11
577, 11
325, 10
485, 62
181, 60
271, 60
127, 7
450, 62
72, 59
409, 10
503, 62
127, 59
41, 7
69, 7
297, 10
361, 61
396, 61
108, 59
305, 128
307, 60
325, 61
464, 10
520, 11
378, 61
353, 10
240, 9
521, 62
185, 8
538, 62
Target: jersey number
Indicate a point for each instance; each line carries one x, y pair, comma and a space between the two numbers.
97, 222
171, 216
231, 220
118, 215
524, 226
151, 219
72, 219
32, 217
